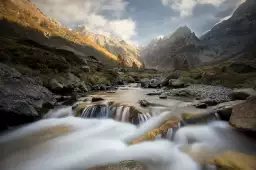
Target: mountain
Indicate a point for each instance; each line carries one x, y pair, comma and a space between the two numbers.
22, 19
176, 51
232, 36
225, 40
116, 46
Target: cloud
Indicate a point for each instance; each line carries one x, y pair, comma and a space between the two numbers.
93, 14
186, 7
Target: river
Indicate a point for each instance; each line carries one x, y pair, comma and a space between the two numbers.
73, 143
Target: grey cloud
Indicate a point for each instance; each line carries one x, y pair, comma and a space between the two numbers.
99, 16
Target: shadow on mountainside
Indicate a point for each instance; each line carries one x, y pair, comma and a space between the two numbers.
16, 31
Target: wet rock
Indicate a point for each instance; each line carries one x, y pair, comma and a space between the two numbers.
124, 165
195, 118
234, 161
111, 91
201, 105
154, 83
224, 110
173, 123
144, 103
60, 98
244, 115
176, 83
85, 69
97, 99
242, 94
163, 96
71, 100
21, 98
99, 87
209, 102
154, 93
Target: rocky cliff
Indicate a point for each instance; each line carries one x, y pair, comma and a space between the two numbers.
225, 40
176, 51
116, 46
232, 36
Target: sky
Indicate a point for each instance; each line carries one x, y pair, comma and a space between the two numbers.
138, 21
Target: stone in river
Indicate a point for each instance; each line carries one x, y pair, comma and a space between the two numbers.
244, 115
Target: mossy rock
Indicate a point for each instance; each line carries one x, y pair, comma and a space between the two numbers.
189, 115
173, 122
234, 161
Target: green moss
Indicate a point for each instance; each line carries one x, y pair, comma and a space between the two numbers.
78, 112
95, 78
188, 80
219, 74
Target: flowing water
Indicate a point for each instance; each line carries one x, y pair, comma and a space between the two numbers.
63, 142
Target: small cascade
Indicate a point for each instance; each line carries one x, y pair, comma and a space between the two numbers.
59, 112
119, 112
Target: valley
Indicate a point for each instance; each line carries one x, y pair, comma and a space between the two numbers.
71, 98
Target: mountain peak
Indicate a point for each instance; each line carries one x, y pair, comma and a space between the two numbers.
182, 31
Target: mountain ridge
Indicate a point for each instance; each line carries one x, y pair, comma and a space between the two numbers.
116, 46
173, 51
25, 13
226, 39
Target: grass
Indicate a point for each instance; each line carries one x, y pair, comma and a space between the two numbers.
219, 74
26, 14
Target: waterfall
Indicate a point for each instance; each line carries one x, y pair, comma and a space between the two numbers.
119, 112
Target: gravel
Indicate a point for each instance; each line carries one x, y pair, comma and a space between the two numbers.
203, 92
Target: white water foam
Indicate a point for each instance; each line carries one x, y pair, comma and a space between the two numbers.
92, 142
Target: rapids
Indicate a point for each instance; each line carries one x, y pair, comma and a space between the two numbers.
64, 142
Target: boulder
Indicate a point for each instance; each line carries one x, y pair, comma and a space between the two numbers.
144, 103
176, 83
61, 99
22, 99
201, 105
244, 115
71, 100
70, 80
242, 94
86, 69
81, 87
145, 83
224, 110
154, 83
234, 161
209, 102
163, 96
55, 86
173, 75
66, 84
99, 87
97, 99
